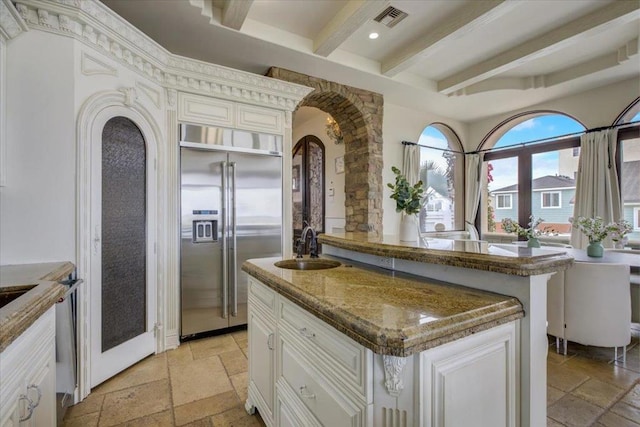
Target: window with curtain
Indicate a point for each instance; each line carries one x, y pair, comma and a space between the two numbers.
630, 177
440, 171
535, 165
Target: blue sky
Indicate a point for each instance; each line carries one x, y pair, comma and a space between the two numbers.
505, 171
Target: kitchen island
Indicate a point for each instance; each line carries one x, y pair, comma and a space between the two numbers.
520, 272
382, 347
357, 345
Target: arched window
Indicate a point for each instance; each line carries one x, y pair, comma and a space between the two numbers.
532, 173
441, 169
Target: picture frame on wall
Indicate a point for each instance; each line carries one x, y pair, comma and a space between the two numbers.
340, 164
295, 185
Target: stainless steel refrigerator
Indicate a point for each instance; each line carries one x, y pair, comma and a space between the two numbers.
231, 210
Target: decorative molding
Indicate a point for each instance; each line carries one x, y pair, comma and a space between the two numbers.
172, 253
11, 24
130, 95
91, 22
90, 66
393, 372
153, 94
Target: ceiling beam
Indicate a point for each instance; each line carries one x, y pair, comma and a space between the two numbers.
347, 21
234, 13
467, 19
610, 60
614, 14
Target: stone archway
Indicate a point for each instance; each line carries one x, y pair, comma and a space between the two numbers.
359, 115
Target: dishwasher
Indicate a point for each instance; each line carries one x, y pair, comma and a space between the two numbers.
66, 349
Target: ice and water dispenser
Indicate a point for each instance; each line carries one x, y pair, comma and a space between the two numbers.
205, 226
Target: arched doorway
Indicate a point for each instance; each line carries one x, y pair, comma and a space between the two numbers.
359, 113
308, 172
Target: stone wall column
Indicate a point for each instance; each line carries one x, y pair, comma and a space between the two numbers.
359, 114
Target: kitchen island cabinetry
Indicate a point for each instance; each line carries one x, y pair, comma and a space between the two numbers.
344, 358
27, 370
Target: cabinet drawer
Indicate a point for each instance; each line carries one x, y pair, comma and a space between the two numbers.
322, 399
205, 110
261, 296
342, 358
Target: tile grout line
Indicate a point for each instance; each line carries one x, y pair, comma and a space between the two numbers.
608, 409
171, 408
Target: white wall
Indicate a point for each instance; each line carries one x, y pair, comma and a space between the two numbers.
315, 125
403, 124
37, 205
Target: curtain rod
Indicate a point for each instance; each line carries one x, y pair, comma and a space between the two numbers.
433, 148
522, 144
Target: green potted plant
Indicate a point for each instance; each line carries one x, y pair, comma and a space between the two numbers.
408, 201
596, 231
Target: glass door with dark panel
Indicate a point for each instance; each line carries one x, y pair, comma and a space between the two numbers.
308, 187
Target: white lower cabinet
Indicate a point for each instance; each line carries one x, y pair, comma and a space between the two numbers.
27, 373
303, 372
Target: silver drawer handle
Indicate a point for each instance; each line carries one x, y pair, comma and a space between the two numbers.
305, 393
306, 333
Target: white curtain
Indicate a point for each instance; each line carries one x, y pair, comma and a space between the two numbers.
411, 164
472, 181
597, 189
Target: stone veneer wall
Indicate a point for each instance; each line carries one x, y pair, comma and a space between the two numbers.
359, 115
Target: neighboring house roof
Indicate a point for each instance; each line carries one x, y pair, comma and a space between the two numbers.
630, 181
549, 181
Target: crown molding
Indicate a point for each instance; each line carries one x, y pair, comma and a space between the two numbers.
94, 24
11, 24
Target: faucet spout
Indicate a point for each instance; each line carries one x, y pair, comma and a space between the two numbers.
313, 247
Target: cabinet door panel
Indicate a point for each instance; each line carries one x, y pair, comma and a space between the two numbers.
261, 366
43, 385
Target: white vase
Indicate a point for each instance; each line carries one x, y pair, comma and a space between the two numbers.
408, 228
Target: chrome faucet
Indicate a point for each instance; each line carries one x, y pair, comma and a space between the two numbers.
313, 247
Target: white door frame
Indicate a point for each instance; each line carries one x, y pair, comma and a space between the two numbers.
94, 114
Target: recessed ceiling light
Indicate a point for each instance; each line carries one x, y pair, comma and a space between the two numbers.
373, 35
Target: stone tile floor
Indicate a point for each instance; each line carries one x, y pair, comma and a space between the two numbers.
204, 383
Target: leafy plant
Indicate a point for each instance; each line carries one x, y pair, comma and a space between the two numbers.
596, 230
407, 196
510, 226
619, 230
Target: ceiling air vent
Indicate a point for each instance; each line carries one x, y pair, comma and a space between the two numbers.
390, 16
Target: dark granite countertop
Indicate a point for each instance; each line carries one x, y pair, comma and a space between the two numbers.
474, 254
388, 312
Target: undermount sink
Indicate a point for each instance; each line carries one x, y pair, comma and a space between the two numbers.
8, 295
307, 264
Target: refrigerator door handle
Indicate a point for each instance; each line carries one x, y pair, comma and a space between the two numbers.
234, 311
225, 248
